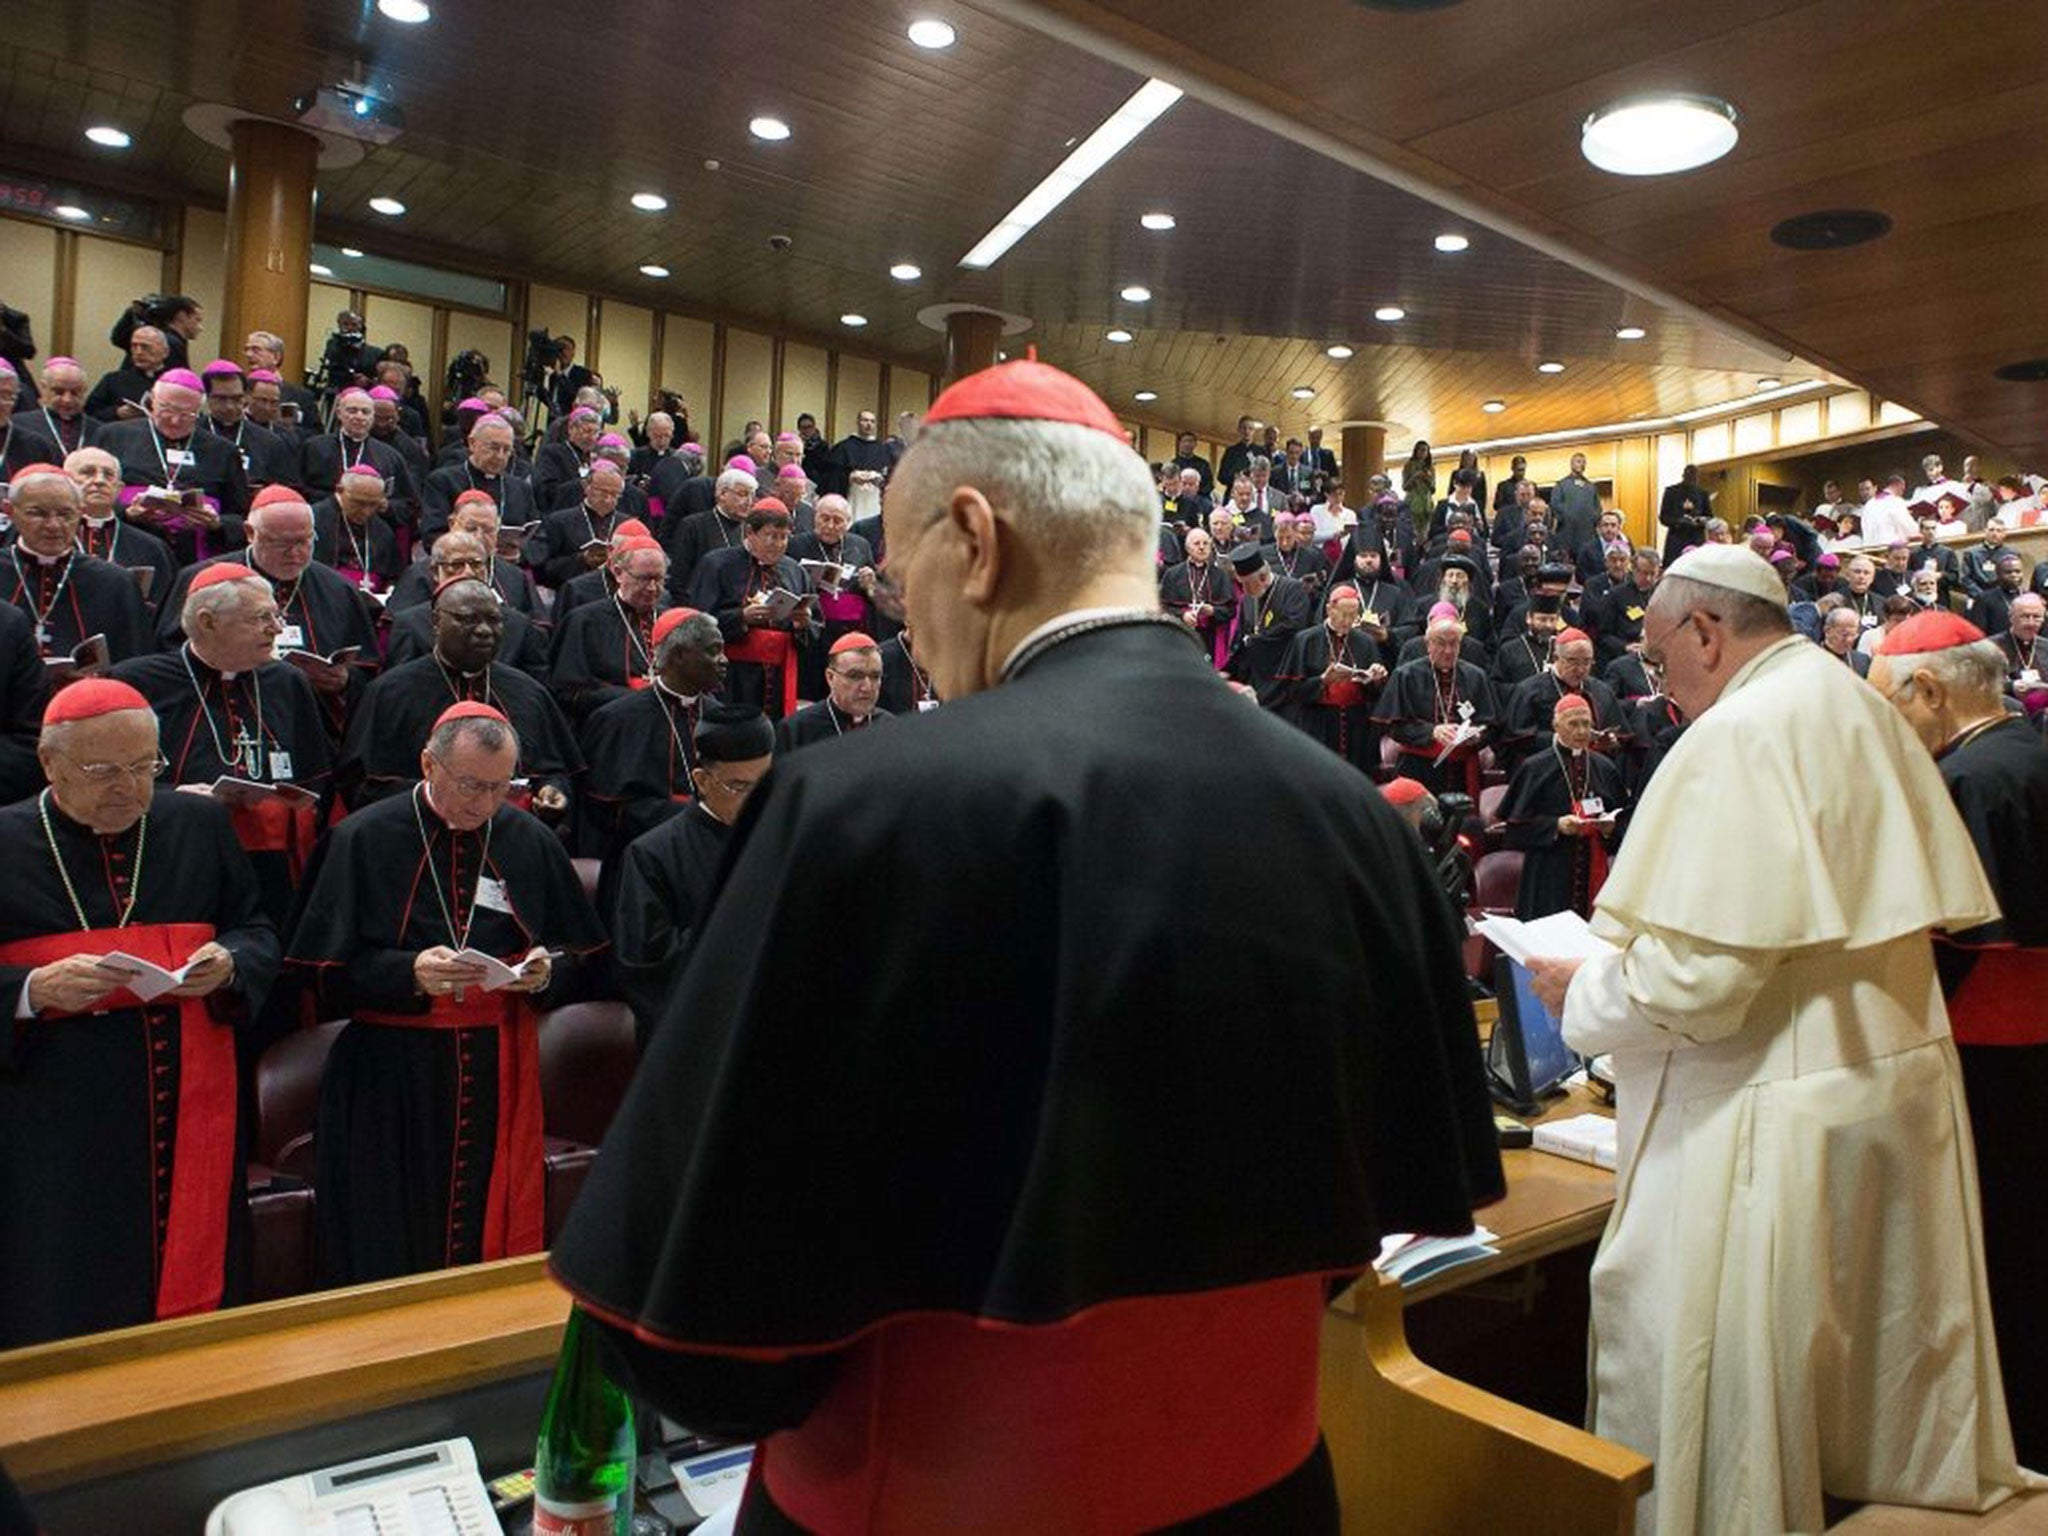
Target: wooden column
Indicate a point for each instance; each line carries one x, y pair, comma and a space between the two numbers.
1363, 455
971, 337
270, 237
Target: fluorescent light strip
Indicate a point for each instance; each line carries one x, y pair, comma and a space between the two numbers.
1737, 407
1146, 105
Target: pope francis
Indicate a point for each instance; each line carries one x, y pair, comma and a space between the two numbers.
1789, 1300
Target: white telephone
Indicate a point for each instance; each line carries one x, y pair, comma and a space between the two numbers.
429, 1490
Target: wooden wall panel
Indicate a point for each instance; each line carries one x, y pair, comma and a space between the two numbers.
111, 275
686, 348
909, 390
491, 337
28, 281
406, 321
202, 272
749, 381
806, 372
860, 389
626, 354
562, 312
323, 302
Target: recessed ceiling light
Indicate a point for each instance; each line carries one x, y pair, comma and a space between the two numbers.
649, 202
410, 12
1494, 407
1303, 392
932, 33
108, 137
1339, 351
1119, 335
773, 129
390, 207
71, 211
318, 269
1390, 313
1831, 229
2030, 370
1762, 384
906, 271
1137, 293
1551, 367
855, 321
1157, 221
653, 269
1659, 135
1629, 333
1450, 245
1087, 157
351, 252
1146, 396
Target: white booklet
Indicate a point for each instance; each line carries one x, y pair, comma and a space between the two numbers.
780, 603
826, 573
1466, 732
1583, 1138
1560, 936
497, 974
146, 979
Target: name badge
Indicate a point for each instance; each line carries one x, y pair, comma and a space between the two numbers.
280, 767
290, 637
1632, 614
491, 893
1592, 805
1870, 621
178, 456
926, 704
2030, 678
1370, 616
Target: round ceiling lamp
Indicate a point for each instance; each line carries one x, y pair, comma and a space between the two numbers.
1659, 135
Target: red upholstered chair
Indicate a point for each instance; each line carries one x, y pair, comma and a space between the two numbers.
587, 1056
280, 1193
1495, 880
1490, 801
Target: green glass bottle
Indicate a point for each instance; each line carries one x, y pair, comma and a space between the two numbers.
583, 1465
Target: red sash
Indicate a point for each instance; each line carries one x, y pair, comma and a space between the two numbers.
1348, 694
271, 825
1465, 758
1596, 874
2004, 999
515, 1203
771, 648
190, 1268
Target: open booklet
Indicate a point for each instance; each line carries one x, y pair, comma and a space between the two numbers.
497, 974
1560, 936
300, 657
827, 573
88, 657
780, 603
244, 792
146, 979
1466, 731
512, 538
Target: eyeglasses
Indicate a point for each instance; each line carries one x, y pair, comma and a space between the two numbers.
471, 788
857, 677
739, 791
460, 563
106, 775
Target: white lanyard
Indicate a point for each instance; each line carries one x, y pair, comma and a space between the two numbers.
456, 940
251, 749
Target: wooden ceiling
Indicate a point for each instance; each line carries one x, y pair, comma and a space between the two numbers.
528, 127
1926, 110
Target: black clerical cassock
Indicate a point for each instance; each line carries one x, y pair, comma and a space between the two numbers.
601, 651
437, 498
820, 722
73, 597
122, 1199
639, 748
264, 726
365, 557
1560, 873
557, 549
906, 686
120, 542
201, 462
1265, 626
1418, 699
1339, 713
24, 685
1996, 981
381, 753
997, 1211
689, 539
761, 660
661, 886
429, 1134
1209, 591
411, 636
415, 589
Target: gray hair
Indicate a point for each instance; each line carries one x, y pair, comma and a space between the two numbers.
491, 735
10, 494
1257, 462
729, 479
1063, 484
1745, 616
270, 341
696, 633
1929, 462
662, 416
218, 600
1975, 671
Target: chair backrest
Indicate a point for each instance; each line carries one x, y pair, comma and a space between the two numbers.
1490, 799
1496, 879
587, 1056
288, 1092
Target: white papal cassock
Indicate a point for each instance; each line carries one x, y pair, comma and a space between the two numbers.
1790, 1295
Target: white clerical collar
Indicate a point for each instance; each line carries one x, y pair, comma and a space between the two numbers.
46, 559
99, 522
687, 700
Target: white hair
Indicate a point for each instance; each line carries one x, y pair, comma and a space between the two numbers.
219, 599
1975, 671
12, 493
730, 479
1063, 484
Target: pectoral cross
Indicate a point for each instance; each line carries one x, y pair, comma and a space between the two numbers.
248, 756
